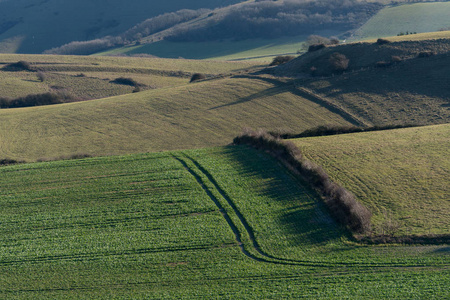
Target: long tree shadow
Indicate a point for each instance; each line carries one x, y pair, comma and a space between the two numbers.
304, 217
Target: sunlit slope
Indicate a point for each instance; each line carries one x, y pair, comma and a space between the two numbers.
190, 116
225, 221
402, 175
418, 17
90, 77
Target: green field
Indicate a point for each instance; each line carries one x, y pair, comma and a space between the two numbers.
418, 17
400, 174
263, 50
213, 223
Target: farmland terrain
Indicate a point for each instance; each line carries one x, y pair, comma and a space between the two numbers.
400, 175
225, 222
182, 115
394, 19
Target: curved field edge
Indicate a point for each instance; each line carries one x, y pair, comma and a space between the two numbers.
417, 17
190, 116
402, 175
142, 225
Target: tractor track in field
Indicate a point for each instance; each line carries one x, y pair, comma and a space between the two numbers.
262, 256
199, 173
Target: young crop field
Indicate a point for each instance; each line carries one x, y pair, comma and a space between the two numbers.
220, 222
401, 175
418, 17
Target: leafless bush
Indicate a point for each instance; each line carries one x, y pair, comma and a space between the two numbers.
341, 203
338, 62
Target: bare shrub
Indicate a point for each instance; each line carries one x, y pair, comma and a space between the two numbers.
197, 77
41, 76
426, 54
341, 203
281, 59
316, 47
338, 62
383, 41
396, 59
383, 64
37, 100
125, 81
19, 66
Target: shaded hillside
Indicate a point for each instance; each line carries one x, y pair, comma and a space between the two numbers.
243, 21
361, 56
32, 26
394, 83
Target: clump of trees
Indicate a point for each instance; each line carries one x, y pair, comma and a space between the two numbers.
260, 19
197, 77
18, 66
272, 19
281, 59
338, 62
142, 30
383, 41
36, 100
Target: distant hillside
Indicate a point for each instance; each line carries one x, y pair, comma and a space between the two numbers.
404, 19
32, 26
242, 21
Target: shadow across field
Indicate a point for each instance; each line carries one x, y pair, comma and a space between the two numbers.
304, 217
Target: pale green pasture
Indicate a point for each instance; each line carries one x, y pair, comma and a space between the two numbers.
418, 17
403, 173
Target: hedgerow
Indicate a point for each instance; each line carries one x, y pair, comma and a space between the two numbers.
342, 204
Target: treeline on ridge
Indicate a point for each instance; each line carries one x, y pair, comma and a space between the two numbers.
141, 30
272, 19
36, 100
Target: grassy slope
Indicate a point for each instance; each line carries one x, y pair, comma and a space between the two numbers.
41, 25
62, 71
252, 49
189, 116
412, 92
403, 172
149, 226
419, 17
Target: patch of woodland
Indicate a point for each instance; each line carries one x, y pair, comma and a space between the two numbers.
325, 130
37, 100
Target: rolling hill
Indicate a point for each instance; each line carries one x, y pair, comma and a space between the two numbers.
411, 18
401, 175
32, 26
395, 83
224, 222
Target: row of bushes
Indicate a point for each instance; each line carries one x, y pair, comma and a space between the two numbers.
341, 203
325, 130
36, 100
